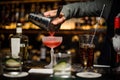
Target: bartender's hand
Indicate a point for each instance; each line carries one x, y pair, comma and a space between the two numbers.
58, 20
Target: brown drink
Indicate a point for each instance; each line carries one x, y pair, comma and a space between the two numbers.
87, 48
87, 54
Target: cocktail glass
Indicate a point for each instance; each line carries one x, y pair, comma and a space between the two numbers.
51, 42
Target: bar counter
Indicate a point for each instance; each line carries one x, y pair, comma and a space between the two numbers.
107, 74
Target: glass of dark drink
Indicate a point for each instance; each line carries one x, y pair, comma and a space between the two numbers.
87, 47
86, 52
87, 55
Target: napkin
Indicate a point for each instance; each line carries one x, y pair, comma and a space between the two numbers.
41, 71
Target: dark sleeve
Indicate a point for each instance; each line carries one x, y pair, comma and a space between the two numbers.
89, 8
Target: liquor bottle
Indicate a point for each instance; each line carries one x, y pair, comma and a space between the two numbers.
116, 40
43, 53
22, 14
32, 8
43, 8
19, 44
17, 14
12, 14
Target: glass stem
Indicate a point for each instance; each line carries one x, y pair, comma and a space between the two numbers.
52, 54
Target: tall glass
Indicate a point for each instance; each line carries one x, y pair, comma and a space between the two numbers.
87, 56
51, 42
86, 52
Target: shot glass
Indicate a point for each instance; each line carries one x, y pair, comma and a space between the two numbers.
62, 65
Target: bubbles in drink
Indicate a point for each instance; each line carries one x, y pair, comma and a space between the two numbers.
86, 54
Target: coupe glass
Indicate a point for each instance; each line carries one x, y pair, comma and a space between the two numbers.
52, 42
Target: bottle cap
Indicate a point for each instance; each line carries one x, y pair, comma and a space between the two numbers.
117, 21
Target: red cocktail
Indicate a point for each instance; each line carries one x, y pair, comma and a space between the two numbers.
51, 42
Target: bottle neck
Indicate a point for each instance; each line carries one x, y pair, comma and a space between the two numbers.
117, 31
19, 28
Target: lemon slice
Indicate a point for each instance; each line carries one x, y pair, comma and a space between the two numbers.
12, 62
60, 66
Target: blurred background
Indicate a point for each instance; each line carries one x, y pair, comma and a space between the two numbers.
70, 29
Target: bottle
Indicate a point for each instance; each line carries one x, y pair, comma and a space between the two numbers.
43, 53
116, 40
19, 44
22, 13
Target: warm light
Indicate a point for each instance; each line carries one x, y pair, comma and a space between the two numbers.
68, 25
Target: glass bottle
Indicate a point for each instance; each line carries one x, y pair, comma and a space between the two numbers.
43, 53
19, 44
116, 40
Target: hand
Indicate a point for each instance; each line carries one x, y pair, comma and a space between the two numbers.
57, 20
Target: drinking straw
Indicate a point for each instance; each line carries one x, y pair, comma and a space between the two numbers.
96, 26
